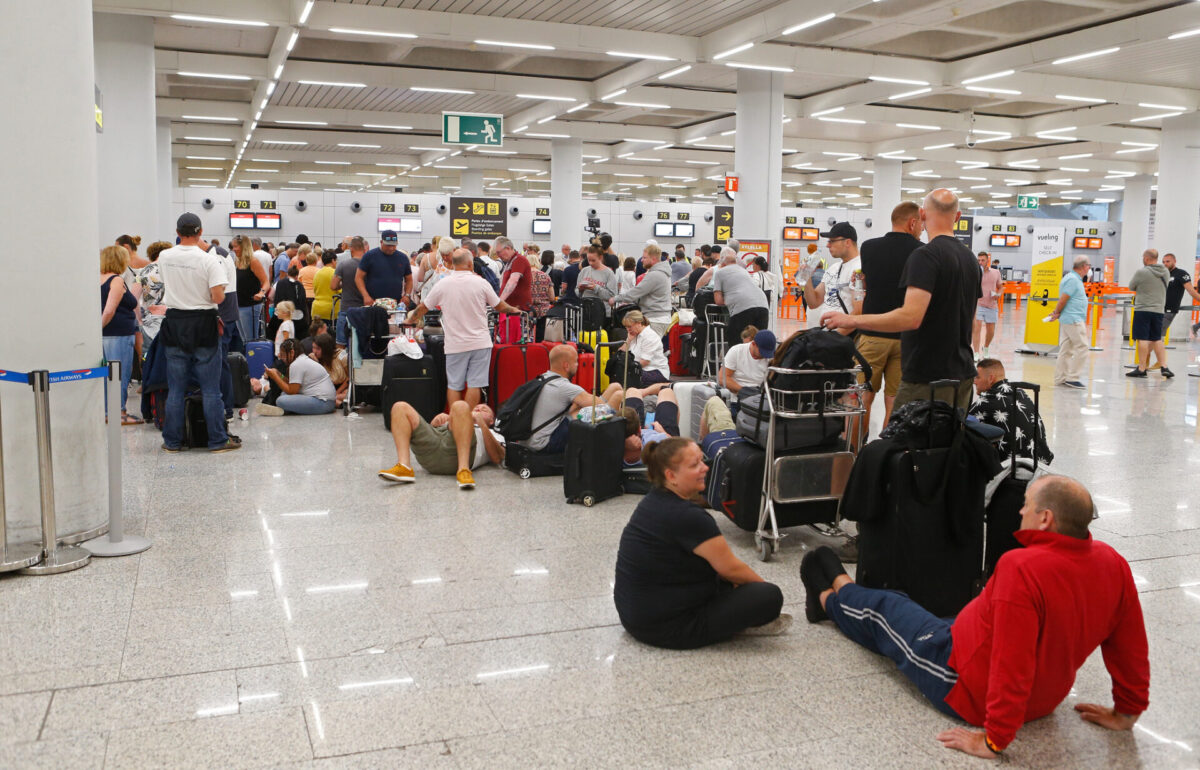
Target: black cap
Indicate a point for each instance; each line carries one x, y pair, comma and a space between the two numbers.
387, 236
187, 221
842, 230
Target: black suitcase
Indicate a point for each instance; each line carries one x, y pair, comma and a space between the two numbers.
734, 488
594, 314
920, 546
412, 380
240, 369
1004, 510
529, 464
791, 434
195, 427
435, 346
594, 463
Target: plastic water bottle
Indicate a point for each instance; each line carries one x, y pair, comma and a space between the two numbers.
858, 286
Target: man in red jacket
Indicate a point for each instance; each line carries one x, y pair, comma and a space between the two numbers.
1011, 655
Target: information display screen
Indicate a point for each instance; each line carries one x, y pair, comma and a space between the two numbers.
410, 225
389, 223
810, 234
541, 227
664, 230
241, 221
268, 221
793, 233
1012, 240
685, 230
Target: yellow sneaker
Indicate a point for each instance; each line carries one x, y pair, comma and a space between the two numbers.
465, 479
400, 473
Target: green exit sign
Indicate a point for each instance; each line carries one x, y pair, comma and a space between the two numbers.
472, 128
1027, 201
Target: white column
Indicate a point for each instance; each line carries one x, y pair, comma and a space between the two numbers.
126, 150
167, 173
758, 163
566, 192
49, 158
885, 196
472, 182
1177, 215
758, 157
1135, 225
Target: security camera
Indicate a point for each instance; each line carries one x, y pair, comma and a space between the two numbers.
356, 207
591, 213
1029, 229
832, 221
441, 209
708, 217
867, 224
513, 211
207, 203
978, 228
1111, 232
637, 214
301, 205
970, 140
971, 129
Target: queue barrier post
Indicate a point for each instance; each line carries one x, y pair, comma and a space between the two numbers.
1097, 311
55, 558
21, 555
116, 542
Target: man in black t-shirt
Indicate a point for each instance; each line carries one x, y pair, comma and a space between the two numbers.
941, 281
883, 261
1180, 282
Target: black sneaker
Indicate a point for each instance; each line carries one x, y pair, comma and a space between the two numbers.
812, 574
1136, 373
1075, 384
228, 446
1167, 372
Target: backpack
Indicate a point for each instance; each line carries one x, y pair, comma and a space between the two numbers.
819, 349
514, 420
483, 271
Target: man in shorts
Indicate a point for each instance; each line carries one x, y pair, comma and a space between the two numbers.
464, 299
666, 419
987, 311
717, 428
1150, 283
453, 444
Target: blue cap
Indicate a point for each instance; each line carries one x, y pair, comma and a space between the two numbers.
387, 236
765, 340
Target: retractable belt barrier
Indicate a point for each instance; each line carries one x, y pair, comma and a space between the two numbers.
50, 557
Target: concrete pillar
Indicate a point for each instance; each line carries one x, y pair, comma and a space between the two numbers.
758, 162
127, 149
1177, 215
1135, 225
566, 192
167, 174
886, 195
49, 156
472, 182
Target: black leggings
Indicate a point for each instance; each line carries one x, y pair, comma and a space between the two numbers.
731, 610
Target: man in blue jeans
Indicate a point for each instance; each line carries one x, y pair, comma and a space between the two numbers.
193, 285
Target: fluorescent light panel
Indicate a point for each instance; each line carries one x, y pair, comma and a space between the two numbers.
1088, 55
213, 75
332, 84
507, 44
218, 20
427, 90
809, 23
630, 55
372, 32
732, 51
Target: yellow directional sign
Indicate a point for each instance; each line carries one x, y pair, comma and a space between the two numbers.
462, 226
726, 216
479, 208
723, 223
724, 232
463, 208
479, 217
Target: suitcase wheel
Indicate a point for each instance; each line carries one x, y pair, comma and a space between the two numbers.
588, 501
525, 473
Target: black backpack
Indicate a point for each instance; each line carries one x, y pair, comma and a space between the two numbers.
819, 349
486, 273
514, 421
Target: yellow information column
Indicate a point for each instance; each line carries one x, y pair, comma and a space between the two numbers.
1049, 245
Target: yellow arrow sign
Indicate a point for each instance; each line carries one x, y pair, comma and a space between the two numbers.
464, 208
727, 216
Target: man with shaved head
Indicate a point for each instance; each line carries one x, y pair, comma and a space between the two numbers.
560, 399
1011, 655
942, 283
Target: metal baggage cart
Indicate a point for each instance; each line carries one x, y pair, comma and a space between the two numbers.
363, 371
814, 477
715, 344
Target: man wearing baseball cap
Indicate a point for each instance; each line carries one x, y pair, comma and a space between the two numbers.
193, 285
746, 364
832, 294
384, 272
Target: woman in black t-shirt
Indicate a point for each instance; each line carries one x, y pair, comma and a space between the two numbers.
678, 584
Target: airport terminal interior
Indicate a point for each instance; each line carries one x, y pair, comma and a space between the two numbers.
283, 605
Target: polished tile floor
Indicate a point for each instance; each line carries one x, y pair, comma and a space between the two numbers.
295, 610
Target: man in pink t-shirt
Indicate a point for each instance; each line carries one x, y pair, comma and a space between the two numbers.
988, 310
464, 299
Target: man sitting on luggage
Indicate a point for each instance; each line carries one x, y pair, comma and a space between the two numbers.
455, 443
666, 419
560, 400
746, 364
999, 403
1010, 656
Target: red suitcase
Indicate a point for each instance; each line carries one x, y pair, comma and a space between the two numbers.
586, 376
512, 367
676, 348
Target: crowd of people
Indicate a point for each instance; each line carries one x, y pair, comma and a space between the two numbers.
923, 312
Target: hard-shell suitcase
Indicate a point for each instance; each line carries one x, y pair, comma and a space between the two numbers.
792, 434
240, 370
596, 341
692, 396
259, 355
585, 377
412, 380
676, 343
435, 346
594, 464
508, 329
512, 367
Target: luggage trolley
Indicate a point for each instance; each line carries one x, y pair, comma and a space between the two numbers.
715, 344
367, 371
817, 478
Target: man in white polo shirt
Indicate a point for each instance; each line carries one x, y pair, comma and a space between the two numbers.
193, 285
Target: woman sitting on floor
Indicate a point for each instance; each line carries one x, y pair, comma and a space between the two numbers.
678, 584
